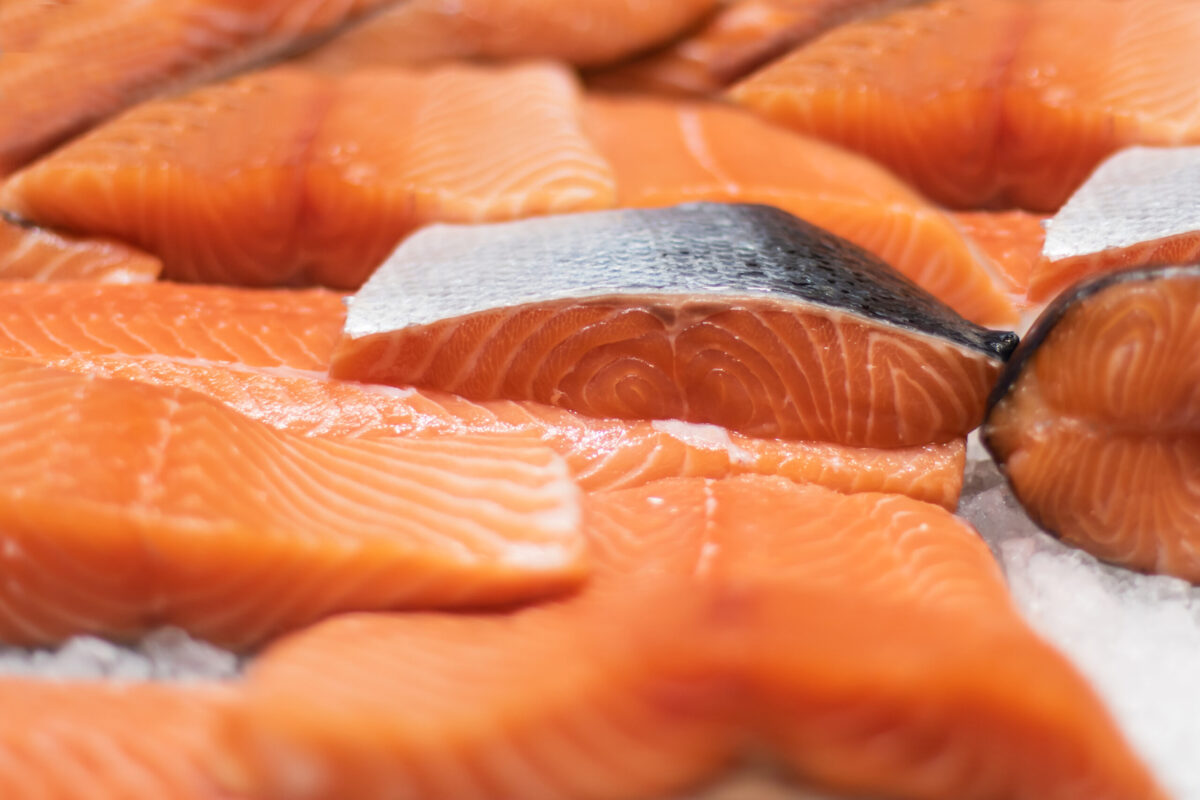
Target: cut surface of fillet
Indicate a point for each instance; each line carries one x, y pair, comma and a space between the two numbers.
867, 641
1141, 207
1095, 424
993, 102
687, 151
581, 32
737, 315
110, 741
127, 506
286, 177
30, 253
133, 51
252, 327
602, 454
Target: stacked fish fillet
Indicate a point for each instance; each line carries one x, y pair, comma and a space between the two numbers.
570, 400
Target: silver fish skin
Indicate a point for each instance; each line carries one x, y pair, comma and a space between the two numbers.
704, 251
1139, 195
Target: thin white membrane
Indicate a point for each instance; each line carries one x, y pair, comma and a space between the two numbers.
1136, 637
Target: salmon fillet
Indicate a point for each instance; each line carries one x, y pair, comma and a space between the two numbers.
126, 506
110, 741
686, 151
314, 188
581, 32
35, 254
867, 640
993, 102
1094, 423
133, 51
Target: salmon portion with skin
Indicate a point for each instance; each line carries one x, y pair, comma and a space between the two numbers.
133, 52
736, 315
583, 32
127, 506
686, 151
28, 252
740, 37
111, 741
1138, 208
253, 327
785, 616
993, 102
602, 454
1094, 423
285, 177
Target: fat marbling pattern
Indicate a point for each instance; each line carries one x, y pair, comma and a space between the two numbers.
702, 250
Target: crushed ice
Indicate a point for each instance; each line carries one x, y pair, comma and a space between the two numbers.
167, 654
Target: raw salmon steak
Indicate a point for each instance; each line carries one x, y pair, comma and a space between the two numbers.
740, 37
1092, 422
1140, 207
252, 327
687, 151
602, 454
284, 176
30, 253
126, 506
110, 741
132, 51
580, 32
994, 102
737, 315
867, 641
